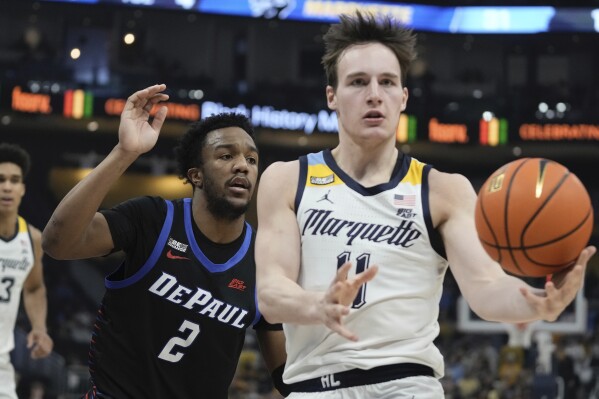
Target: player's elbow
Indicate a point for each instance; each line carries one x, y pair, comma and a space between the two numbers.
486, 311
479, 305
51, 246
267, 305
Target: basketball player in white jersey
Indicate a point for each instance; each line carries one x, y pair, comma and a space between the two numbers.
345, 248
20, 268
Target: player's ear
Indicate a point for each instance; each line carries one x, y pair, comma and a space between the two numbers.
331, 97
196, 177
404, 101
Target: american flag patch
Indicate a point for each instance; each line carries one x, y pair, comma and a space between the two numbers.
404, 200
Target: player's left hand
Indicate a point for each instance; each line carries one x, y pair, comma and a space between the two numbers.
136, 133
561, 289
39, 343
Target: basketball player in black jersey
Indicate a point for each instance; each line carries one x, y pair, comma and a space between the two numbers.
173, 319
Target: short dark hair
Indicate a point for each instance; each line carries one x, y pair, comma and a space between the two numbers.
15, 154
366, 28
188, 151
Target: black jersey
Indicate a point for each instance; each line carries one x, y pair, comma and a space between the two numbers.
175, 327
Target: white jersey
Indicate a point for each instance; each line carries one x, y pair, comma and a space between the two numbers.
389, 225
16, 261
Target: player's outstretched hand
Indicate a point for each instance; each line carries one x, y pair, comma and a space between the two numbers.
136, 134
561, 290
340, 295
39, 343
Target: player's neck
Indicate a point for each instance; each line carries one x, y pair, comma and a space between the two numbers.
370, 166
8, 224
218, 230
221, 231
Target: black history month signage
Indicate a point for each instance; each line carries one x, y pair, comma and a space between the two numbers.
488, 131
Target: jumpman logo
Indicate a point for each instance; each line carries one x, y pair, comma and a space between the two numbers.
326, 197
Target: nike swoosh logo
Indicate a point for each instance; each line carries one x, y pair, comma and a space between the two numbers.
170, 255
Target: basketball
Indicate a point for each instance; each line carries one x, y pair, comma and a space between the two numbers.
534, 217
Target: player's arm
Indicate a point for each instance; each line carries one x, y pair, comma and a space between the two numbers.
272, 347
76, 230
491, 293
280, 298
35, 302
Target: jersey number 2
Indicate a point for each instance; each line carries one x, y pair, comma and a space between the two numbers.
167, 352
362, 263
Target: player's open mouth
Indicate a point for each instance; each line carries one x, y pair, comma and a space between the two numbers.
239, 185
373, 116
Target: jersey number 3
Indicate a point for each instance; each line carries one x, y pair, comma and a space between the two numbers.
168, 353
362, 263
5, 285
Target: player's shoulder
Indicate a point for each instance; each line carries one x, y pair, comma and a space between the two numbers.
282, 167
279, 181
36, 234
444, 183
449, 194
281, 172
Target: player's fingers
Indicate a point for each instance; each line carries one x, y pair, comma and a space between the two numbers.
585, 255
344, 332
155, 99
343, 272
576, 275
535, 301
41, 350
30, 341
159, 118
35, 353
550, 289
340, 329
337, 311
159, 97
366, 275
334, 321
571, 279
140, 98
334, 314
532, 299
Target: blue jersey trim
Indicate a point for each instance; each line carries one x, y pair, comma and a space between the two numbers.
258, 314
425, 200
301, 183
207, 263
402, 166
30, 237
315, 158
435, 238
156, 252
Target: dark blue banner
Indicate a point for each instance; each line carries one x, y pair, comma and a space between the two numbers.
470, 19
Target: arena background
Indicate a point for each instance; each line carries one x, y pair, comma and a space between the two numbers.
480, 95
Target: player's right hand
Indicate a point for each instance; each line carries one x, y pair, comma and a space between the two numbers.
340, 295
39, 343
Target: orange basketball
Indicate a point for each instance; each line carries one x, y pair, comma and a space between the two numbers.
533, 216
